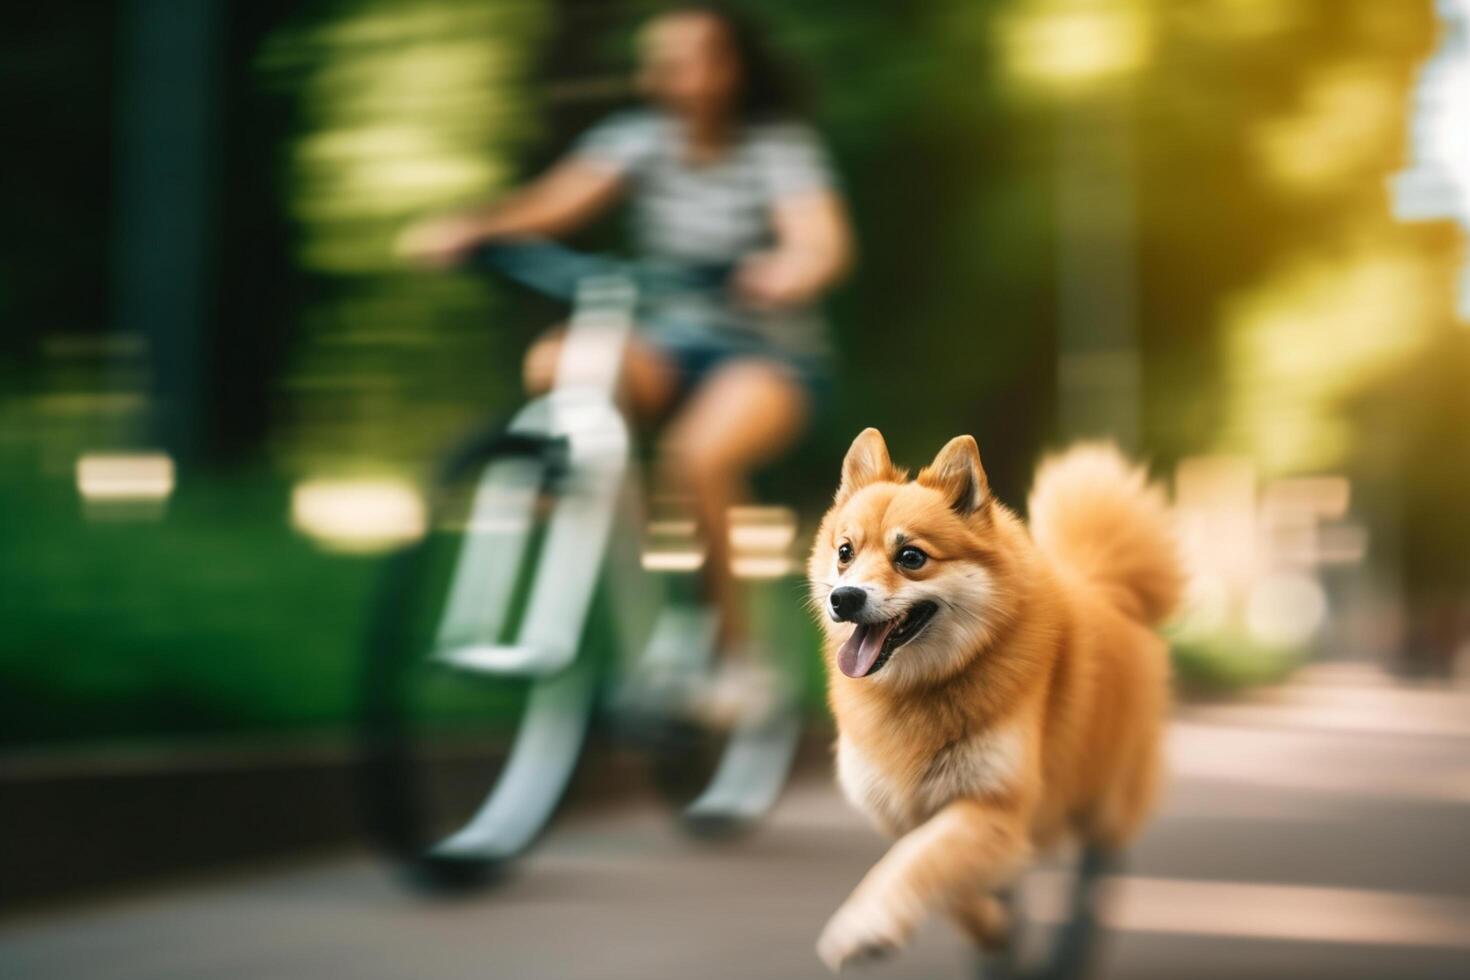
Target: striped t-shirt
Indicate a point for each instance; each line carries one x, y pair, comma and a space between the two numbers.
717, 212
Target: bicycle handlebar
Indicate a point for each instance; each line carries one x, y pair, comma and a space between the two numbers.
554, 270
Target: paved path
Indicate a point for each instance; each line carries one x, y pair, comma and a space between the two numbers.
1301, 839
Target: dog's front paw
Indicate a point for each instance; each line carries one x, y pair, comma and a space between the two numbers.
861, 930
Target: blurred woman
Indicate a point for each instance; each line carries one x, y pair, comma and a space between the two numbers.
718, 171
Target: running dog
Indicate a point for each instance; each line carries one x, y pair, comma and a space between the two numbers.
998, 687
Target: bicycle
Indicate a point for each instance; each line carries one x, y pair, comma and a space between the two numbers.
529, 599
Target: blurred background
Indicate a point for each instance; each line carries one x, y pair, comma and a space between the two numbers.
1229, 234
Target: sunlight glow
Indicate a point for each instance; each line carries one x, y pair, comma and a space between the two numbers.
762, 529
1437, 185
358, 515
1347, 122
763, 567
1074, 44
1303, 340
670, 560
125, 477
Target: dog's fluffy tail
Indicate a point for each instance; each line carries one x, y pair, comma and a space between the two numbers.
1095, 513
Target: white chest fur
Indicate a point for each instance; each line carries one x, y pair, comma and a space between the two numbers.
869, 789
897, 802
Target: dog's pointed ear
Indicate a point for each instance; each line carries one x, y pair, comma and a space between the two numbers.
866, 462
956, 472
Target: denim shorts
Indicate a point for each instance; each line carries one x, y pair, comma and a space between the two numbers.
699, 354
682, 313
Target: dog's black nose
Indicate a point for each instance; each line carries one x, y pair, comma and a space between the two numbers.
847, 601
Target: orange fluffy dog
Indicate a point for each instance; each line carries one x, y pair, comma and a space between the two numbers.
996, 689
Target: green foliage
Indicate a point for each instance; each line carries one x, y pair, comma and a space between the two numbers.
1223, 663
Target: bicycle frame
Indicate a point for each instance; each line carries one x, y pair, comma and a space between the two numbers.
580, 412
594, 525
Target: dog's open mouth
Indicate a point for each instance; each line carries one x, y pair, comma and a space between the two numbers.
871, 644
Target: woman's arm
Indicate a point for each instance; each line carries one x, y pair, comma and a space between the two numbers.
562, 200
813, 252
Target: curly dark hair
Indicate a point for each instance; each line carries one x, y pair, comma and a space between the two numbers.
770, 87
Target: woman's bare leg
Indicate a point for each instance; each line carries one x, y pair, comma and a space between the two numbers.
649, 380
743, 415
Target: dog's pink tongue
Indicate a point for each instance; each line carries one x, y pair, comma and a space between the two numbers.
862, 648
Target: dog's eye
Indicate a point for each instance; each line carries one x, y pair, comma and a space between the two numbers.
911, 558
844, 552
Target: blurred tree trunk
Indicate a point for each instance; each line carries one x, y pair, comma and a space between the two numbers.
163, 260
200, 259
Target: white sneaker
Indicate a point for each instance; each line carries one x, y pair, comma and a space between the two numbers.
741, 691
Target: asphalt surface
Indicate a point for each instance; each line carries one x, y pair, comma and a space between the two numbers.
1323, 831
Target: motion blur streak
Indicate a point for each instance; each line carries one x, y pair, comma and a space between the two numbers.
1230, 235
1262, 911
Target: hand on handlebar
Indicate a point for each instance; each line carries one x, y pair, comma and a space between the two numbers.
439, 242
774, 280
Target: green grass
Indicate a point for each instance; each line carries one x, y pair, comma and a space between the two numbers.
217, 618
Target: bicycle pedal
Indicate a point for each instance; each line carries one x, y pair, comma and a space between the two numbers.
501, 659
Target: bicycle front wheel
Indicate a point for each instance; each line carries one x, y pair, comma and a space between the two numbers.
462, 767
